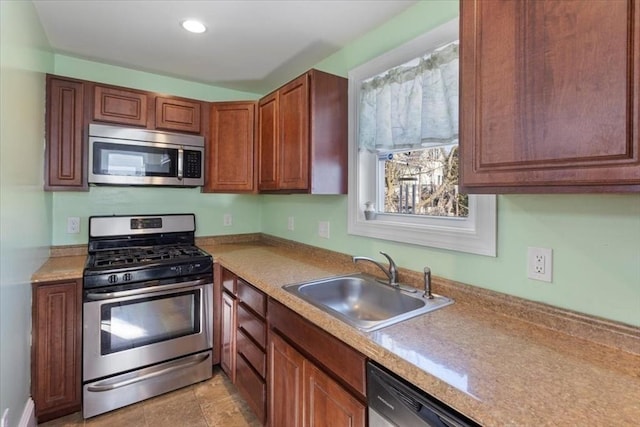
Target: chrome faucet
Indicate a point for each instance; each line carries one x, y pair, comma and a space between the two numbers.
427, 283
391, 272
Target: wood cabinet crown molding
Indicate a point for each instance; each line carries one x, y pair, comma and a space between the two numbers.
550, 98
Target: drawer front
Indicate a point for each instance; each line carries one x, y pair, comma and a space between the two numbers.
252, 326
229, 281
252, 388
252, 297
252, 353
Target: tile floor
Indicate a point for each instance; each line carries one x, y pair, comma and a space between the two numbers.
212, 403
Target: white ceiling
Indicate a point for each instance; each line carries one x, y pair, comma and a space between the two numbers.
253, 46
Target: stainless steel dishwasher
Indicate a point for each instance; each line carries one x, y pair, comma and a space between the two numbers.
395, 403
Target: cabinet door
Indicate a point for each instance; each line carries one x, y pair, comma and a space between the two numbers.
326, 403
268, 142
293, 159
549, 98
228, 336
176, 114
56, 349
231, 147
127, 107
285, 383
64, 140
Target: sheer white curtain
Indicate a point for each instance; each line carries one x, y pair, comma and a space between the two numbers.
414, 105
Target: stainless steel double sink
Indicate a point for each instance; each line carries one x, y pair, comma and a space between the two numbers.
363, 302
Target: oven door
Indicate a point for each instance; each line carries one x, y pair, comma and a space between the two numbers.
131, 329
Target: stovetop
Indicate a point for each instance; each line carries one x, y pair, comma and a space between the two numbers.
130, 257
132, 250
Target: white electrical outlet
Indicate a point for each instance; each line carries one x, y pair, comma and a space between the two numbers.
539, 264
290, 224
323, 229
227, 220
73, 225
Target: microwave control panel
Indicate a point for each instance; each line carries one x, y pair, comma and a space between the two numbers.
192, 164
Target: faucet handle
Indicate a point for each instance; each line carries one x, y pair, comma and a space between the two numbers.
393, 268
427, 283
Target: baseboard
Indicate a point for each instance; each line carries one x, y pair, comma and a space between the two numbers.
28, 418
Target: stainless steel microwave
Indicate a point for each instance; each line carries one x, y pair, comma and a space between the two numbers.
129, 156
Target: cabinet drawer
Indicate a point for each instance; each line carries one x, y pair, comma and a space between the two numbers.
252, 297
229, 281
251, 352
252, 325
252, 388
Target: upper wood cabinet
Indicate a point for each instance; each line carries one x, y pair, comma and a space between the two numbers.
64, 150
230, 157
549, 96
72, 104
122, 106
302, 136
56, 353
177, 114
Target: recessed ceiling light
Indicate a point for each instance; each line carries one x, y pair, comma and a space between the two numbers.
193, 26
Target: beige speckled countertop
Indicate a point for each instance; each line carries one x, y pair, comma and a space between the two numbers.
497, 359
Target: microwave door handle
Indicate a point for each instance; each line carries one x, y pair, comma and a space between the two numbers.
180, 163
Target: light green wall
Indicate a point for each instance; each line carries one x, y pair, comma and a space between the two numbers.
209, 209
595, 241
25, 209
595, 238
120, 76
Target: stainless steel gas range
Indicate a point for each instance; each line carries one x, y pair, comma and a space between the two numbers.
147, 311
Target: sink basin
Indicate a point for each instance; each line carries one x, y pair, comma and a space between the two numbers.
361, 301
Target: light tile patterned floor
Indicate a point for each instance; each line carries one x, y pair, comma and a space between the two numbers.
212, 403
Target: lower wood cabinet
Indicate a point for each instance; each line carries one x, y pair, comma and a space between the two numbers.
314, 379
243, 340
56, 354
290, 372
327, 403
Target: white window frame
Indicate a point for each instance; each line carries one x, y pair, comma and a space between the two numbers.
475, 234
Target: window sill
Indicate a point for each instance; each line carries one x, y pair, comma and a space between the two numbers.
475, 234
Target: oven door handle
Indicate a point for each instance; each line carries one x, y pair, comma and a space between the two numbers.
109, 385
97, 296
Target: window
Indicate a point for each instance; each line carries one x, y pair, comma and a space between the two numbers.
403, 159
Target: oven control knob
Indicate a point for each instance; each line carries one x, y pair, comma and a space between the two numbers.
113, 278
126, 277
178, 269
190, 268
